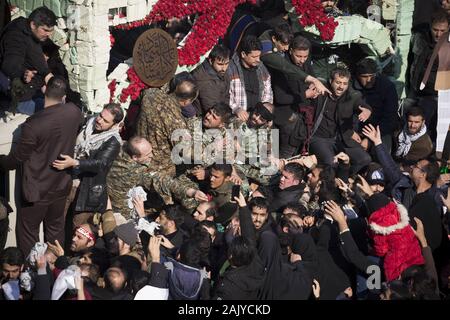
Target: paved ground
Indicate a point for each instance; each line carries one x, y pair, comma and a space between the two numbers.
7, 130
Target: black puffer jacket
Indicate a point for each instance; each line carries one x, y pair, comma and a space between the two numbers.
92, 194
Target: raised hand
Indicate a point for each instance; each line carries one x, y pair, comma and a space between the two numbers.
56, 248
236, 179
343, 157
29, 75
364, 186
364, 115
240, 200
373, 134
335, 211
138, 203
165, 242
446, 201
356, 137
154, 248
316, 288
321, 88
295, 257
342, 185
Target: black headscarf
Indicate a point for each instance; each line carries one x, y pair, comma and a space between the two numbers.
319, 262
283, 281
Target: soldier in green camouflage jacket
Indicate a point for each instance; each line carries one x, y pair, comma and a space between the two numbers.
255, 144
160, 116
132, 168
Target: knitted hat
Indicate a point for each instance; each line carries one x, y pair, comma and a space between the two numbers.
127, 232
376, 177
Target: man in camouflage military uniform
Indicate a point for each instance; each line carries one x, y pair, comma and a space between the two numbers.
132, 168
254, 140
212, 145
160, 116
209, 133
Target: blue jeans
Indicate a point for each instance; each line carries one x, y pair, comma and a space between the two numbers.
26, 107
30, 106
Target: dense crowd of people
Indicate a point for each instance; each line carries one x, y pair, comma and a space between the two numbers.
248, 178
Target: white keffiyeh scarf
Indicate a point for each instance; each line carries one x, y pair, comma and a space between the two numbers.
405, 140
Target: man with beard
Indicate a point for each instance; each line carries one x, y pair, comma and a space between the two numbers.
170, 220
333, 129
292, 95
212, 79
275, 44
208, 135
98, 145
254, 138
413, 142
380, 93
44, 136
250, 80
422, 46
83, 240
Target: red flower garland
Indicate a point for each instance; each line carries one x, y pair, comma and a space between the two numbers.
212, 22
112, 89
311, 13
135, 87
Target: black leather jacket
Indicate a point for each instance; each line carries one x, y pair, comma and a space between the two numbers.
92, 193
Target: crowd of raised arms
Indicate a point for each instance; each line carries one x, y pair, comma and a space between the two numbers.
271, 171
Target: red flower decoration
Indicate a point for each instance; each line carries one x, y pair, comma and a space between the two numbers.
134, 88
311, 13
112, 89
212, 22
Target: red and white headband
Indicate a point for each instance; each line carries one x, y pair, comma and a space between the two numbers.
86, 233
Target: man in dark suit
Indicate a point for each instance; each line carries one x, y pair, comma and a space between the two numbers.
334, 123
44, 136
